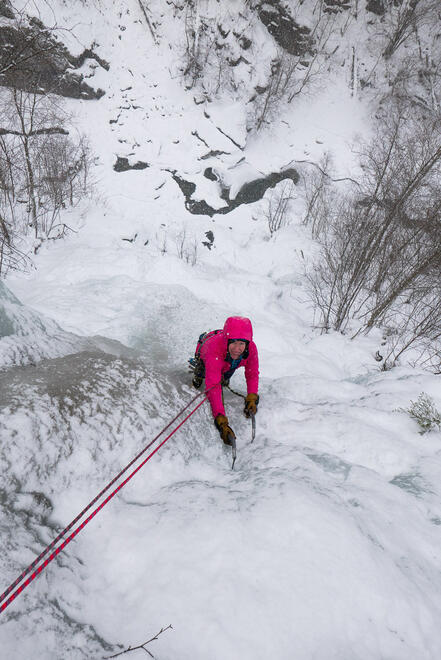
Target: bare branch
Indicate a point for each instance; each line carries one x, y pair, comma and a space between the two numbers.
141, 646
310, 162
54, 130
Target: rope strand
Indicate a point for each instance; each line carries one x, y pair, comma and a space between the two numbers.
38, 570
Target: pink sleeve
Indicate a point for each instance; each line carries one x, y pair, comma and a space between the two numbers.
213, 375
252, 369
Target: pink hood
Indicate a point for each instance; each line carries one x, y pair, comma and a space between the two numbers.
238, 327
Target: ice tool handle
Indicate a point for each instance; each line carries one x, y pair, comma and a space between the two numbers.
232, 440
253, 426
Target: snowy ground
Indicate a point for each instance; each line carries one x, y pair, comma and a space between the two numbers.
324, 542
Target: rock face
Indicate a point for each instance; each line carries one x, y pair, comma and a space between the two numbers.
33, 60
255, 190
376, 7
6, 9
292, 37
250, 192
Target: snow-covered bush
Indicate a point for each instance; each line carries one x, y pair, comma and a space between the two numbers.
424, 412
186, 248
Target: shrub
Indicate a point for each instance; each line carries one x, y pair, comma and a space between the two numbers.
425, 414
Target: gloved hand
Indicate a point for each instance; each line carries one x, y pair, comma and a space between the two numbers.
251, 402
221, 423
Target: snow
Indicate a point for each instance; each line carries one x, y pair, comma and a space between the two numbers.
324, 542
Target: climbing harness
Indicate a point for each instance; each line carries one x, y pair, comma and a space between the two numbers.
4, 601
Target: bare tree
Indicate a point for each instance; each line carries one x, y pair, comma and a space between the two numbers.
290, 75
186, 249
277, 212
199, 43
402, 20
42, 169
381, 248
318, 194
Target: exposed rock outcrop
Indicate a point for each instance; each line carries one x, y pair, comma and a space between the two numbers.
122, 165
292, 37
376, 7
33, 60
6, 9
250, 192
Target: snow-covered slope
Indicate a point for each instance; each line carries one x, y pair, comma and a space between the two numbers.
323, 543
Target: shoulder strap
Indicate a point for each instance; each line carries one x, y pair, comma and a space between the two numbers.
203, 338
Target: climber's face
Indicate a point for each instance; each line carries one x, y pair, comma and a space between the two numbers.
236, 348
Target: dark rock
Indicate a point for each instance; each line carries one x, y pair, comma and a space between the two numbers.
187, 187
224, 33
255, 190
210, 241
200, 207
209, 174
237, 61
6, 9
122, 165
224, 193
213, 152
292, 37
245, 43
376, 7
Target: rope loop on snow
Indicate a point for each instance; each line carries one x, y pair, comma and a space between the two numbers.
236, 393
4, 600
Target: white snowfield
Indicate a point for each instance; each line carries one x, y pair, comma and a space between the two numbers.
324, 542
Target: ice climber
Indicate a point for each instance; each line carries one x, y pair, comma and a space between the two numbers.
218, 354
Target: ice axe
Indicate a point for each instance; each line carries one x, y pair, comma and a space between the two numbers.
253, 426
232, 441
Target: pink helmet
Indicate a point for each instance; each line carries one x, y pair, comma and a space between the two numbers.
238, 327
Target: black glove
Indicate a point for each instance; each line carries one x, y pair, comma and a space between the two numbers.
251, 403
221, 423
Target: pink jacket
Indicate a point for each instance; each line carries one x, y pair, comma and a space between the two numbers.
213, 353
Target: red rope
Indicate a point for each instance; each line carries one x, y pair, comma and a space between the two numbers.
80, 515
76, 531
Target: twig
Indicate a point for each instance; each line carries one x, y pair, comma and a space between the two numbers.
309, 162
144, 11
141, 646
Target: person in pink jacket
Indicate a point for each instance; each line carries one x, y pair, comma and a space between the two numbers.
218, 354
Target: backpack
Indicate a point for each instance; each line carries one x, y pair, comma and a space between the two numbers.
202, 339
